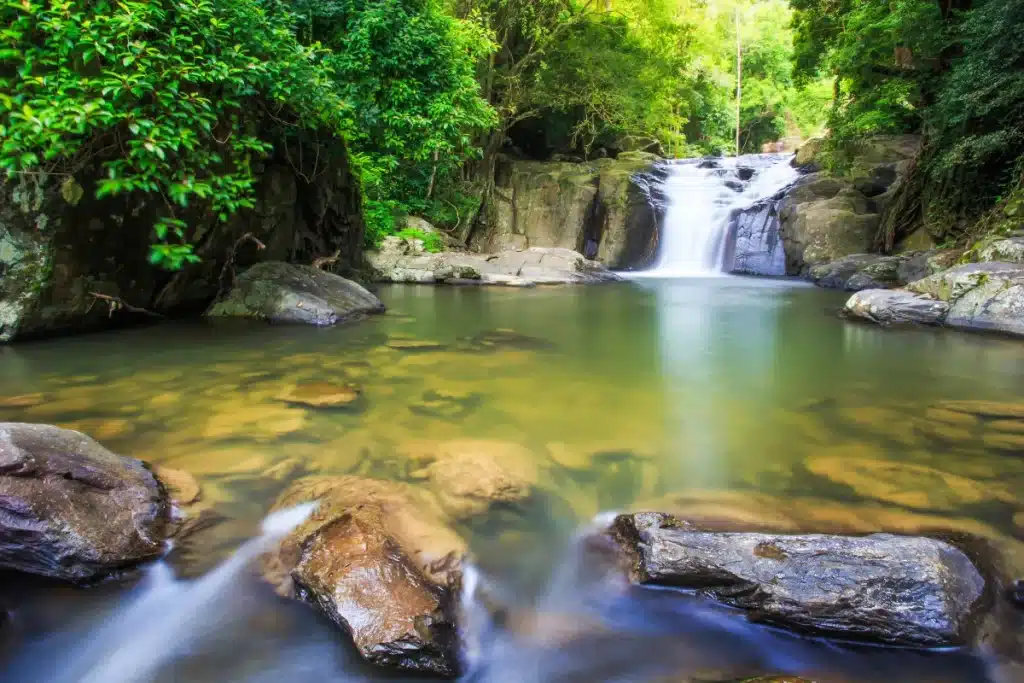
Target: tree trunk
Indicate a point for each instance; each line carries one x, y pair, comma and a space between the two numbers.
739, 78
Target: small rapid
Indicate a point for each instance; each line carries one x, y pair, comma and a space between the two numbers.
699, 196
167, 618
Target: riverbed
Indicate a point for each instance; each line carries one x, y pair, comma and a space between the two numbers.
721, 398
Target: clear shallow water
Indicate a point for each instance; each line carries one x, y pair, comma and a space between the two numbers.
725, 398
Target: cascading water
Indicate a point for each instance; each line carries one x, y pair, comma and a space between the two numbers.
699, 197
585, 624
167, 618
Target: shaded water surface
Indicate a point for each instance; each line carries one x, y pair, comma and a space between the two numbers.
727, 399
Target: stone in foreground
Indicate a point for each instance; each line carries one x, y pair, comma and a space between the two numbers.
286, 293
898, 590
402, 260
896, 306
376, 559
70, 509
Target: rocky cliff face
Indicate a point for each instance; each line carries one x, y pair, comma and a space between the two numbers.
59, 247
600, 209
822, 218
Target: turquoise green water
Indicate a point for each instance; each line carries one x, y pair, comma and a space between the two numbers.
724, 399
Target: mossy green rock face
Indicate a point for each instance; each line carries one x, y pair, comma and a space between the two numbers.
1007, 250
824, 219
806, 156
985, 297
68, 260
594, 208
286, 293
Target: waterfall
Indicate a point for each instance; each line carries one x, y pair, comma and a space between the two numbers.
700, 197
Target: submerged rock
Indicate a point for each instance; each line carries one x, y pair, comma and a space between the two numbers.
509, 339
286, 293
70, 509
898, 590
471, 475
907, 484
376, 558
321, 395
445, 404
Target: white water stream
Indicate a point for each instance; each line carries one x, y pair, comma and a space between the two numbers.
699, 196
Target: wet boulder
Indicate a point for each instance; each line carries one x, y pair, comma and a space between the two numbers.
70, 509
377, 559
898, 590
281, 292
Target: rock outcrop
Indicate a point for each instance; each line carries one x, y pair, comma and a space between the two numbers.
807, 154
601, 209
755, 244
70, 509
899, 590
59, 245
985, 297
823, 218
401, 260
1003, 249
378, 560
285, 293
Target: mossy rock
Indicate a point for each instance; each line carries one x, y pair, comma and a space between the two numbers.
286, 293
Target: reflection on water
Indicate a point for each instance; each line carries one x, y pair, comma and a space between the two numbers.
728, 399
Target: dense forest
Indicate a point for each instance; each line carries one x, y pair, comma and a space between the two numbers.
180, 100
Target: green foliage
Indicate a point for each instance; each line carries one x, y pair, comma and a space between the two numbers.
977, 140
432, 242
407, 70
884, 58
157, 97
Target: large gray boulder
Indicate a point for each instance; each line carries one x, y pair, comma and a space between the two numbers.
70, 509
823, 219
894, 307
985, 296
899, 590
286, 293
378, 560
400, 260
